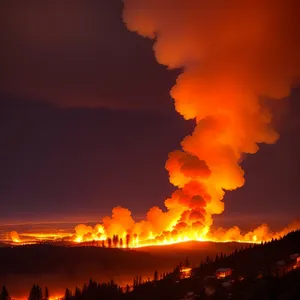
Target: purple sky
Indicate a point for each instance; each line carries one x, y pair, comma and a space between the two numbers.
60, 162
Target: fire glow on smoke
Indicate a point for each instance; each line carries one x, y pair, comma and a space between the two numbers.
231, 58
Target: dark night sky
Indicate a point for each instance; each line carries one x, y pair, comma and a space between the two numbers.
60, 162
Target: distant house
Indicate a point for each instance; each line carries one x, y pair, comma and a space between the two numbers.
185, 273
284, 266
295, 258
227, 284
223, 272
280, 268
188, 296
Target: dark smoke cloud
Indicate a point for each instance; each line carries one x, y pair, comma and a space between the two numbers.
77, 53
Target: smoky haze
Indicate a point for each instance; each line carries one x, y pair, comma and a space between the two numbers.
77, 54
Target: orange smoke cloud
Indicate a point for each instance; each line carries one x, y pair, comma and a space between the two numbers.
183, 168
232, 54
259, 234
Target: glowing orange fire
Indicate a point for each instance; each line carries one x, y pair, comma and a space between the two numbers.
97, 237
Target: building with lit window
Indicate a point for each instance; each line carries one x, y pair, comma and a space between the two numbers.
223, 272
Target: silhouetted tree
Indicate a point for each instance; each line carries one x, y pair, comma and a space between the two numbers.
68, 294
207, 259
135, 281
155, 277
121, 243
201, 264
77, 293
221, 256
176, 271
84, 290
127, 240
186, 262
115, 240
103, 244
46, 293
35, 293
109, 242
32, 294
4, 295
180, 266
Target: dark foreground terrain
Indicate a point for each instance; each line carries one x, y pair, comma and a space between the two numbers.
269, 271
60, 267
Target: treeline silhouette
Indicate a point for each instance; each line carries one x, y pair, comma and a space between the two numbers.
253, 258
254, 277
114, 242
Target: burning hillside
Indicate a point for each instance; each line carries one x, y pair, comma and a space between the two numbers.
231, 59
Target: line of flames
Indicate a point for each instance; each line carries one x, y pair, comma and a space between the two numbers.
34, 238
99, 237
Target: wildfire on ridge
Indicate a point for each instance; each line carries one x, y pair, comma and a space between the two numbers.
230, 59
97, 237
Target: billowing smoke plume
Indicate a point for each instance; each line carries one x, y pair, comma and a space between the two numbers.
233, 54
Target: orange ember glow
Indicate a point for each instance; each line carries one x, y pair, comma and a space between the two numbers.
230, 58
15, 237
186, 272
33, 238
